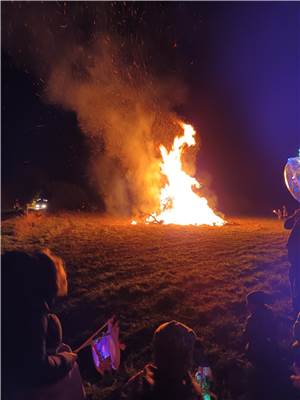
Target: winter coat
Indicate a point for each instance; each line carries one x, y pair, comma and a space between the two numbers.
25, 361
260, 336
294, 245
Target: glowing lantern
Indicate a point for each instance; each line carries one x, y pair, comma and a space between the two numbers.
292, 176
106, 349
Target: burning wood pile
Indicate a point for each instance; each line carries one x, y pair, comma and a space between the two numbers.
179, 203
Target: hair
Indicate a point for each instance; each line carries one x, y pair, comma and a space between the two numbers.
296, 331
173, 344
38, 276
51, 274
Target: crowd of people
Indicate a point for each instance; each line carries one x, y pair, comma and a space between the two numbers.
37, 365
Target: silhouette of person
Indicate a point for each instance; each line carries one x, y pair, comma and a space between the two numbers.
293, 245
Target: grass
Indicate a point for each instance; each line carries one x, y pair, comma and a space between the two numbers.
148, 274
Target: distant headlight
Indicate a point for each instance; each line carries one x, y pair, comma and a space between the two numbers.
44, 206
37, 206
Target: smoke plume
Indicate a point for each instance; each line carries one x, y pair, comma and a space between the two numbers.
124, 110
124, 114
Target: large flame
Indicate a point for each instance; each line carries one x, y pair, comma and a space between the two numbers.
179, 204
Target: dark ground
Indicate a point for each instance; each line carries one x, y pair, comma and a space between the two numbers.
148, 274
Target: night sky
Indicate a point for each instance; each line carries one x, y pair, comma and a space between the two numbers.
238, 62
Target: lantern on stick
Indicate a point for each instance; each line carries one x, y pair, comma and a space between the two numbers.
105, 347
292, 176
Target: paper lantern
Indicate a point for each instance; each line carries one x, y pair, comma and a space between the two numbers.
106, 349
292, 177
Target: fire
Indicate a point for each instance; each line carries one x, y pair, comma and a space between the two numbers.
179, 203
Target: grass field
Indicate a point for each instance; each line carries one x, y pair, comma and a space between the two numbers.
148, 274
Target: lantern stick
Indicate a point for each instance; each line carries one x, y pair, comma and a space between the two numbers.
88, 340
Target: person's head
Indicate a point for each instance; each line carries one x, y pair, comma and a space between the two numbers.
51, 278
257, 299
173, 344
40, 275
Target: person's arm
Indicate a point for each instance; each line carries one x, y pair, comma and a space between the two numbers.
133, 388
290, 221
46, 368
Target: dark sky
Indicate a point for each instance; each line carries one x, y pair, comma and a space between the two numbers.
239, 62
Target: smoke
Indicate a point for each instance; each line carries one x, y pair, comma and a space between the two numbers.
124, 111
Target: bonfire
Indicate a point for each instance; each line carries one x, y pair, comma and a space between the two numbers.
179, 202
